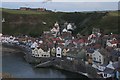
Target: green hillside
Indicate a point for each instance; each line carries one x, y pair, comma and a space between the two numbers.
31, 22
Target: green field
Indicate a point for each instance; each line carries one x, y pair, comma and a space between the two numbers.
22, 11
30, 22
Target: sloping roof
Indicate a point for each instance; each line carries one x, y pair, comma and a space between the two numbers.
81, 41
115, 53
108, 71
116, 65
103, 52
97, 46
110, 66
114, 42
90, 50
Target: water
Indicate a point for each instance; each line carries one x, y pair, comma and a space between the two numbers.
14, 64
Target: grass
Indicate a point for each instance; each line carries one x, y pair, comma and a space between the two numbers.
24, 22
22, 11
114, 13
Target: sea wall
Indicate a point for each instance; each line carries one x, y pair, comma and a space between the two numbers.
75, 65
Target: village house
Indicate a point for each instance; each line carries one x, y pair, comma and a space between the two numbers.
65, 51
70, 28
43, 53
34, 45
111, 69
58, 52
100, 56
89, 52
55, 30
34, 52
41, 9
33, 9
88, 49
25, 8
64, 30
97, 57
53, 52
112, 43
108, 70
114, 55
38, 52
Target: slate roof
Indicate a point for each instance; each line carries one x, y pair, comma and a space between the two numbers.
108, 71
116, 65
90, 50
115, 53
103, 52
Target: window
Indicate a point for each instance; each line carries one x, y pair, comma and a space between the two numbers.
94, 58
87, 55
105, 75
58, 54
100, 60
44, 55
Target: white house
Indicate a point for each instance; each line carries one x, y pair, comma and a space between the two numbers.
56, 24
34, 45
40, 41
111, 43
69, 27
58, 52
97, 57
91, 36
95, 66
108, 43
108, 73
64, 30
35, 52
101, 67
110, 69
110, 65
43, 54
40, 53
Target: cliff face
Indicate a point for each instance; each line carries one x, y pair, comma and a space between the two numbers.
33, 23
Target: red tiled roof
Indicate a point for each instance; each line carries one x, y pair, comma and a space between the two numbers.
114, 42
114, 35
81, 41
86, 40
97, 46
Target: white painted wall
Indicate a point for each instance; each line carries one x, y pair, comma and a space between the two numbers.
58, 52
97, 56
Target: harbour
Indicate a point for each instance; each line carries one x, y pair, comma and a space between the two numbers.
15, 64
